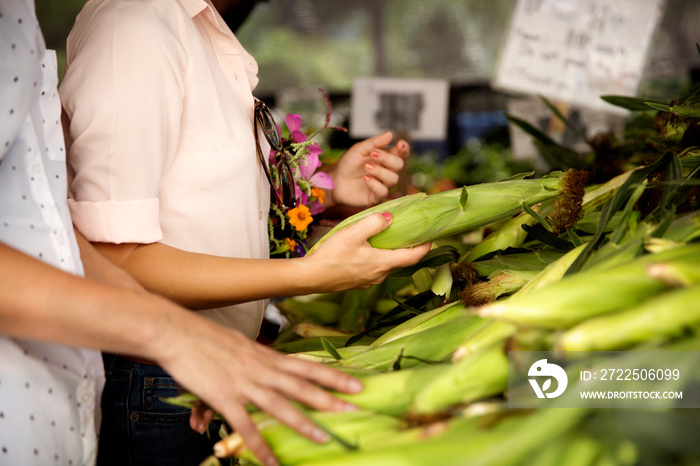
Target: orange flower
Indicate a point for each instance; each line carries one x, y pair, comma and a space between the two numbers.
291, 243
319, 194
300, 217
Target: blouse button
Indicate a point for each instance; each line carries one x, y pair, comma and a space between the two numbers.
134, 416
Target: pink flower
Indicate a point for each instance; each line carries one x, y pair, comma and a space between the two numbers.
293, 121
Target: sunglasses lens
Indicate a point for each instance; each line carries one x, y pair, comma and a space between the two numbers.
287, 184
269, 127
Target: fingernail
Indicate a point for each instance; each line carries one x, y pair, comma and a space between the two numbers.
402, 145
369, 166
319, 435
366, 178
375, 154
271, 461
387, 216
350, 408
355, 385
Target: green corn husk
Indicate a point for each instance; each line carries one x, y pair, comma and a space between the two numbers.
478, 376
499, 331
326, 357
553, 272
513, 441
314, 344
290, 447
442, 281
535, 260
492, 333
586, 294
309, 330
430, 345
318, 311
424, 321
421, 218
392, 393
510, 235
668, 315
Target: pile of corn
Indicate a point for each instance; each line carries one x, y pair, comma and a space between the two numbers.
614, 266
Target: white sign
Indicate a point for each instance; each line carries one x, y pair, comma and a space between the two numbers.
416, 107
577, 50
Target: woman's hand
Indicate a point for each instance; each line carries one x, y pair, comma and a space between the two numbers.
363, 176
346, 260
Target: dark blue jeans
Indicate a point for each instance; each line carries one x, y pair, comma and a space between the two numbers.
140, 429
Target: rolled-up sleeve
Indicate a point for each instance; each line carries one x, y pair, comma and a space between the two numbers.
123, 96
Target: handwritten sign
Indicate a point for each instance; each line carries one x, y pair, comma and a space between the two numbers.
577, 50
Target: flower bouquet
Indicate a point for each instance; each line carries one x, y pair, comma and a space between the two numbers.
289, 231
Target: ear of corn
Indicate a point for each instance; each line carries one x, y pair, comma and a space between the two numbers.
320, 312
536, 261
307, 330
499, 283
553, 272
423, 321
392, 393
511, 234
354, 428
663, 317
433, 344
421, 219
467, 443
442, 282
587, 295
314, 344
492, 333
477, 376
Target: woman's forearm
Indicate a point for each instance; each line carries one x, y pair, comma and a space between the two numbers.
202, 281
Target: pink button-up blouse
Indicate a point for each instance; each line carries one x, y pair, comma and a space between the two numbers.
158, 98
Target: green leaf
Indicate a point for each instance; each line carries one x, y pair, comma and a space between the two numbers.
463, 197
574, 237
689, 94
328, 346
536, 215
548, 239
629, 103
531, 130
659, 107
520, 176
564, 120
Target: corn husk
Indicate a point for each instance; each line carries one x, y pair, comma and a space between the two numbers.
588, 294
666, 316
478, 376
421, 218
431, 345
